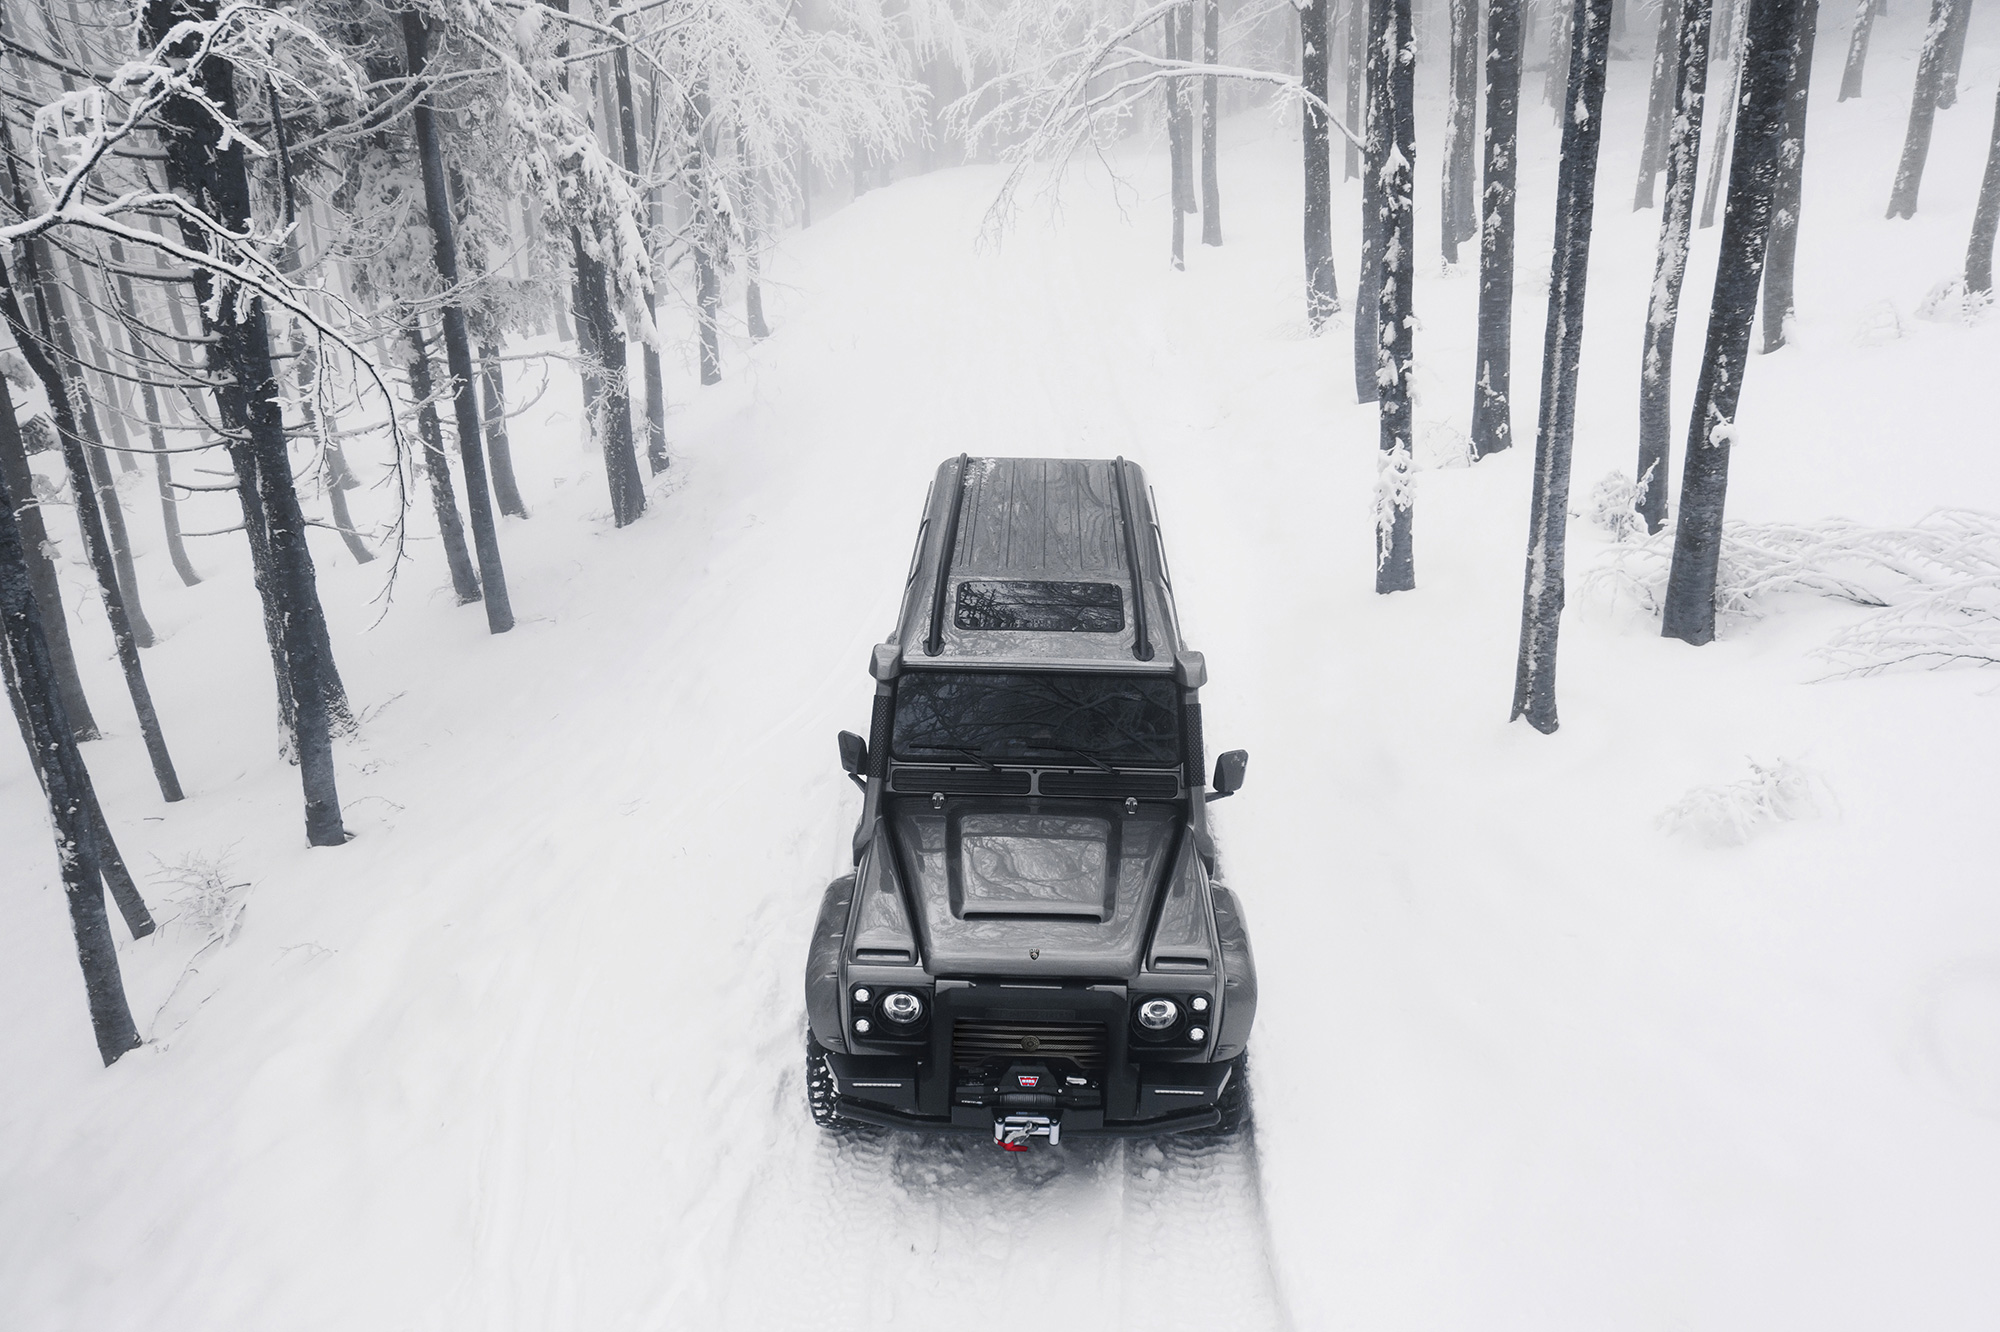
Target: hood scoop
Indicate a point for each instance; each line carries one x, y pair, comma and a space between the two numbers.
1009, 865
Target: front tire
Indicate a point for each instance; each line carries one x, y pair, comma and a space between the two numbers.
1234, 1103
822, 1096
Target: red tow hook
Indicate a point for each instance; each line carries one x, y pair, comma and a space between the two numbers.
1007, 1146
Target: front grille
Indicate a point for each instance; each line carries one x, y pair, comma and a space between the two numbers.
975, 1040
926, 781
1155, 785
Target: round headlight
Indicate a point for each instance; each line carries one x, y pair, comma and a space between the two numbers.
902, 1007
1158, 1014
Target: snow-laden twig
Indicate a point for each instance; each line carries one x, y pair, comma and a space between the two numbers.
1729, 813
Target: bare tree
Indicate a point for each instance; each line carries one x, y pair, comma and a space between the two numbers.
1670, 268
1923, 108
1393, 163
1458, 215
1211, 183
1492, 408
1985, 219
42, 570
1562, 350
1779, 297
1953, 54
1689, 614
1666, 55
1857, 49
444, 498
1357, 77
1322, 289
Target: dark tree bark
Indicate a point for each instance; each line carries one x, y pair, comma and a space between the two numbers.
1857, 49
90, 521
1923, 109
1378, 136
1779, 296
217, 180
1211, 182
1746, 229
1718, 163
163, 474
628, 139
1656, 362
707, 238
1985, 219
753, 242
1457, 215
1184, 105
1492, 408
42, 570
1953, 54
1666, 77
457, 342
55, 316
1357, 79
498, 450
1562, 350
1556, 78
1322, 288
444, 500
67, 785
1396, 200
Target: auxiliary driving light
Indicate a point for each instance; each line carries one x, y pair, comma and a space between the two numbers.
902, 1007
1197, 1035
861, 1025
1158, 1014
861, 996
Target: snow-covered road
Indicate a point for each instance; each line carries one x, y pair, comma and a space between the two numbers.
525, 1054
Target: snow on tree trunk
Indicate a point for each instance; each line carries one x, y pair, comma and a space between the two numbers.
90, 521
1184, 106
1357, 79
66, 783
1211, 184
753, 241
1395, 196
1555, 80
1457, 215
1779, 298
1492, 412
444, 499
457, 342
1985, 219
163, 476
1953, 55
1666, 78
1923, 109
1322, 288
1562, 349
42, 577
649, 353
1857, 49
1670, 268
706, 240
1377, 134
1746, 228
499, 451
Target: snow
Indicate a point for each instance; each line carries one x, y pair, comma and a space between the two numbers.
525, 1053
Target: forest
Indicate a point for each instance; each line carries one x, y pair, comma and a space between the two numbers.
454, 457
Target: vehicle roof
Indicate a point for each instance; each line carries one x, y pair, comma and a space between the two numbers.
1050, 520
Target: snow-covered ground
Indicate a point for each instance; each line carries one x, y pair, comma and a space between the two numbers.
525, 1053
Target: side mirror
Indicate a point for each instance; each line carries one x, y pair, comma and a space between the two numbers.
854, 757
1229, 770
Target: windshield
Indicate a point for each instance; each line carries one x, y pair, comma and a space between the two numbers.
1083, 719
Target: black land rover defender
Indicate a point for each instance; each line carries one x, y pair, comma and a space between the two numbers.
1031, 944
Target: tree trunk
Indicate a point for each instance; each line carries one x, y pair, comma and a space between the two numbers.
498, 450
1492, 410
67, 786
1562, 349
464, 581
163, 473
1656, 364
1953, 55
628, 139
1211, 183
1718, 162
708, 292
1923, 109
1378, 136
1176, 148
1556, 79
1396, 169
1746, 229
1184, 106
90, 521
1857, 49
1457, 216
457, 343
215, 177
42, 577
1779, 299
1357, 79
1666, 77
1322, 288
753, 242
1985, 219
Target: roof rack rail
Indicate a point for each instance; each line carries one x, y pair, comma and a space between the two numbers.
1142, 644
934, 644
